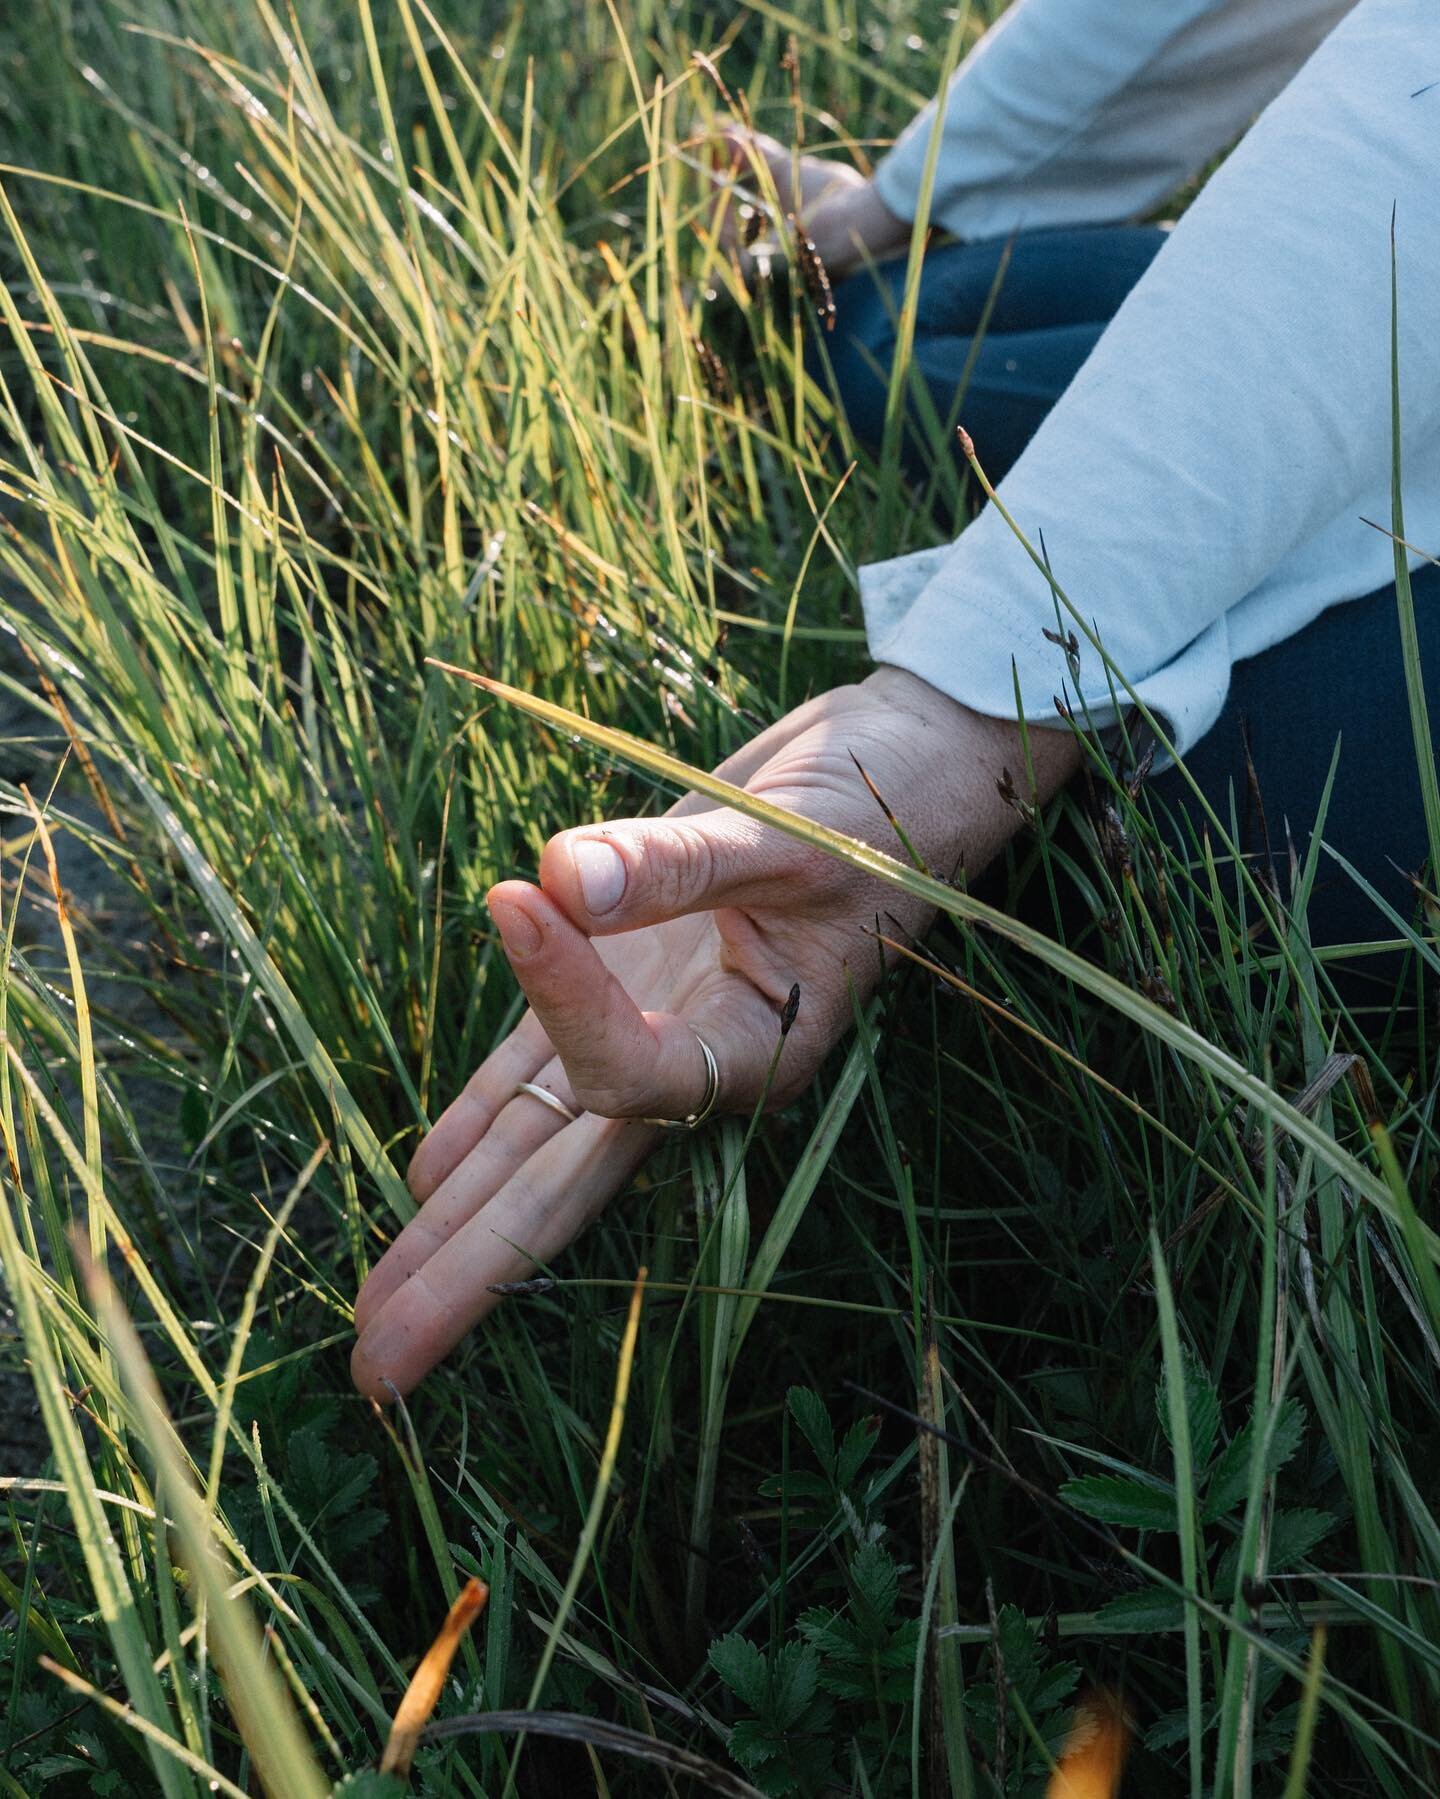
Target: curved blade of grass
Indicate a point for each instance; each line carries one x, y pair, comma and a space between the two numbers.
608, 1456
1296, 1780
108, 1580
1186, 1509
215, 1781
240, 1335
902, 374
1404, 600
261, 1705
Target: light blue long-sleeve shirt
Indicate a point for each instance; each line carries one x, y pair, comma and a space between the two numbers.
1202, 485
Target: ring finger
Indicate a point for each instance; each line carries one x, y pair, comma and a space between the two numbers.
477, 1105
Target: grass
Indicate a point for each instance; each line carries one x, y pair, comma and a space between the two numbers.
1080, 1328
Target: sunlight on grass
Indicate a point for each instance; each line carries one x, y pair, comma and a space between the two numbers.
1078, 1331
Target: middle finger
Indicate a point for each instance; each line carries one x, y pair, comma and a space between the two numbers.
477, 1105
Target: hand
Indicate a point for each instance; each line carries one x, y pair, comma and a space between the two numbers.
645, 932
843, 216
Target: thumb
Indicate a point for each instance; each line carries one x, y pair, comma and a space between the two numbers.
635, 872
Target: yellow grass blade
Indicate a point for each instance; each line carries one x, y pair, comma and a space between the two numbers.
258, 1699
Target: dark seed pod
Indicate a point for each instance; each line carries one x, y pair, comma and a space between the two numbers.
790, 64
1141, 774
1011, 795
1070, 643
814, 275
789, 1009
713, 373
1114, 843
752, 223
707, 67
750, 1548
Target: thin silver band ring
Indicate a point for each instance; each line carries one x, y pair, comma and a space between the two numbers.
547, 1098
693, 1120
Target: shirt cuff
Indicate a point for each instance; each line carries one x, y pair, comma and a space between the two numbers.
987, 648
896, 178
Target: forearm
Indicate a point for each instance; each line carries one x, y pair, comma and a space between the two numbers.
1052, 118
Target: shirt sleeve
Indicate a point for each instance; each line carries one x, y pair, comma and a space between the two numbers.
1236, 406
1090, 112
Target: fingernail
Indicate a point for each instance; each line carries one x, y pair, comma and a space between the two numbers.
518, 930
601, 869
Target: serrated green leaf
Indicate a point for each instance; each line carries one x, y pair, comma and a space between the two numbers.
367, 1784
1168, 1729
1274, 1734
752, 1745
834, 1637
1202, 1408
794, 1677
876, 1583
740, 1664
1115, 1500
1053, 1687
807, 1408
854, 1451
1137, 1614
1230, 1479
1292, 1536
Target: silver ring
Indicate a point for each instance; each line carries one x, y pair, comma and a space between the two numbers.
547, 1098
693, 1120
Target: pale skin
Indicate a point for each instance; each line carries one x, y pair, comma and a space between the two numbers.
644, 932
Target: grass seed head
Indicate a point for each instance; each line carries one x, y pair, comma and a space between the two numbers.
814, 275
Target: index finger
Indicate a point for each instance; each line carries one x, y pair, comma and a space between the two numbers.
620, 1061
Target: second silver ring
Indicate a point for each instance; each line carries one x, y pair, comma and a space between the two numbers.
693, 1120
547, 1098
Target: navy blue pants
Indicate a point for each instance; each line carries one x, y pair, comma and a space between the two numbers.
1341, 677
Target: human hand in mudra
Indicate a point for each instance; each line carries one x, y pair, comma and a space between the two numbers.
648, 941
836, 205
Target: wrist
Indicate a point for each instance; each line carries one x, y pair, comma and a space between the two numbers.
900, 691
974, 740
